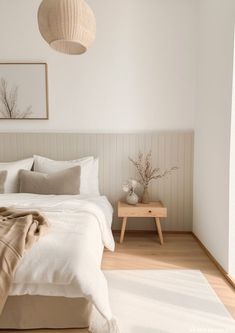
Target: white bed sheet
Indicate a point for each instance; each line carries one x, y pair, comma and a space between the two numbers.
80, 228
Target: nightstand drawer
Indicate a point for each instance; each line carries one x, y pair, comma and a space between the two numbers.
142, 210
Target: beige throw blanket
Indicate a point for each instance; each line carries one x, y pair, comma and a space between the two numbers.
18, 232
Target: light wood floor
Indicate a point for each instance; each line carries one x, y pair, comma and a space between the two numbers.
180, 251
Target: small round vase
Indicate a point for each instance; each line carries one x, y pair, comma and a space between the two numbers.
145, 197
132, 198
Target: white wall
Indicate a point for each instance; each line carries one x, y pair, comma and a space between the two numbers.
212, 126
138, 76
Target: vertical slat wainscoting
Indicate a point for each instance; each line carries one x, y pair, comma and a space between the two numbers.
168, 149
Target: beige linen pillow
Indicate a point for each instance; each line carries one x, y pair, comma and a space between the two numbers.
62, 182
3, 177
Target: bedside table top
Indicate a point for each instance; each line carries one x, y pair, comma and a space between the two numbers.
152, 209
139, 204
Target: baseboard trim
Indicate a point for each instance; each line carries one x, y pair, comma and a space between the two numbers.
212, 258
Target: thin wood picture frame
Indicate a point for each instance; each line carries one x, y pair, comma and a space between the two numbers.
24, 91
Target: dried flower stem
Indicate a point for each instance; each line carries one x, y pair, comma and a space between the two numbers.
145, 170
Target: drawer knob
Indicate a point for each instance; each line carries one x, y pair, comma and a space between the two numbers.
150, 211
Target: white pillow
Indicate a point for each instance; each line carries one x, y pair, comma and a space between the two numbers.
89, 182
13, 168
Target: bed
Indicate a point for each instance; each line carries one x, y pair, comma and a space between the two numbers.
62, 271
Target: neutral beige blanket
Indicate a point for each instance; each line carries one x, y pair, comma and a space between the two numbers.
18, 232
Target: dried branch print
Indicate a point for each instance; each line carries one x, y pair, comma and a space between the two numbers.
8, 102
146, 171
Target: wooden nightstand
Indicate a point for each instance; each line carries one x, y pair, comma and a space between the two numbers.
153, 209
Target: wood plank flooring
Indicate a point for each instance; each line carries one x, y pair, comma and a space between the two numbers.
180, 251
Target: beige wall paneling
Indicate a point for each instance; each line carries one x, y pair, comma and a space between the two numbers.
173, 148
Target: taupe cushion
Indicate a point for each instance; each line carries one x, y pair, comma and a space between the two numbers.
62, 182
3, 177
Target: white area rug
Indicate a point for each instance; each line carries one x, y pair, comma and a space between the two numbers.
166, 301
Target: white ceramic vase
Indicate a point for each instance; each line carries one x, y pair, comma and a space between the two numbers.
132, 198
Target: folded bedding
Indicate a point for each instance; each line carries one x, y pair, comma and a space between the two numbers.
19, 230
66, 261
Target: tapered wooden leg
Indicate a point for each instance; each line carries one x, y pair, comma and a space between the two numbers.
159, 229
123, 229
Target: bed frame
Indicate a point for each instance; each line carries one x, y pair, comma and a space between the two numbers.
35, 312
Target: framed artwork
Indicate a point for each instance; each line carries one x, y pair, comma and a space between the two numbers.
23, 91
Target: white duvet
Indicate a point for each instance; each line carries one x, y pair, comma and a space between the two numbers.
66, 261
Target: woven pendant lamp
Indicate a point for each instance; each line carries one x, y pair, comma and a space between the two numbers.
68, 26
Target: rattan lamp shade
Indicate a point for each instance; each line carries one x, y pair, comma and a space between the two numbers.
68, 26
